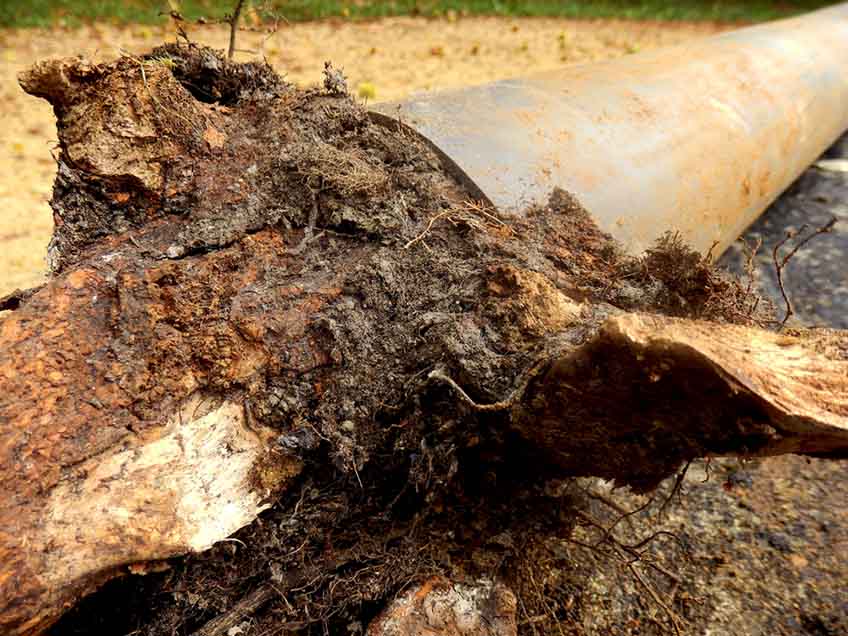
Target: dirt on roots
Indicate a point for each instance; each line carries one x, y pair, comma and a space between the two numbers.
406, 474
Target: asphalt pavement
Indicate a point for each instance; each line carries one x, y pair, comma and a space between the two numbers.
816, 277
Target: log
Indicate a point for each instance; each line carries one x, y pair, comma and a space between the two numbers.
251, 282
762, 102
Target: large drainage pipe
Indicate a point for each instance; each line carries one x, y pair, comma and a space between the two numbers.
698, 138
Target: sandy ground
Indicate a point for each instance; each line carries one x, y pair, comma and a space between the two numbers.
395, 57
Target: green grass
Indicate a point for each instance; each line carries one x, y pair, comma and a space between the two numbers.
35, 13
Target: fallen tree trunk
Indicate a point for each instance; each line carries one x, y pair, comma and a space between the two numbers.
257, 288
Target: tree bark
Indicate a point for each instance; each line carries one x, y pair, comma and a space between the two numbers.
244, 273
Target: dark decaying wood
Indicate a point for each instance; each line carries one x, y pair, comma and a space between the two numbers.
247, 277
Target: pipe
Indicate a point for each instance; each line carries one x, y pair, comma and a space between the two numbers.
698, 138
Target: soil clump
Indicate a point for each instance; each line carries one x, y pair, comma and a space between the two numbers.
329, 272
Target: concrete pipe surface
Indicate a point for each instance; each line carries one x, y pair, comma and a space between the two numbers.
698, 138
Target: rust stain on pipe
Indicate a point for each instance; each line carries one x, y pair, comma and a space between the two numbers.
698, 138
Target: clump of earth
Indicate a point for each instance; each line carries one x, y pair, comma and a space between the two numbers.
440, 308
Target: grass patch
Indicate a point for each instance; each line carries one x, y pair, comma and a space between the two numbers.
39, 13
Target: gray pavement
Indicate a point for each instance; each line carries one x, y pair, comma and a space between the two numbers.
816, 278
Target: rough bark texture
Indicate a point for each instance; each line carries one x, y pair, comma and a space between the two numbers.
627, 404
262, 298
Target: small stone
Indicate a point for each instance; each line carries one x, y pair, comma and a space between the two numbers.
439, 607
175, 251
740, 479
300, 439
779, 541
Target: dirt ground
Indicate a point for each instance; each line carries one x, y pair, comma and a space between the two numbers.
393, 58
